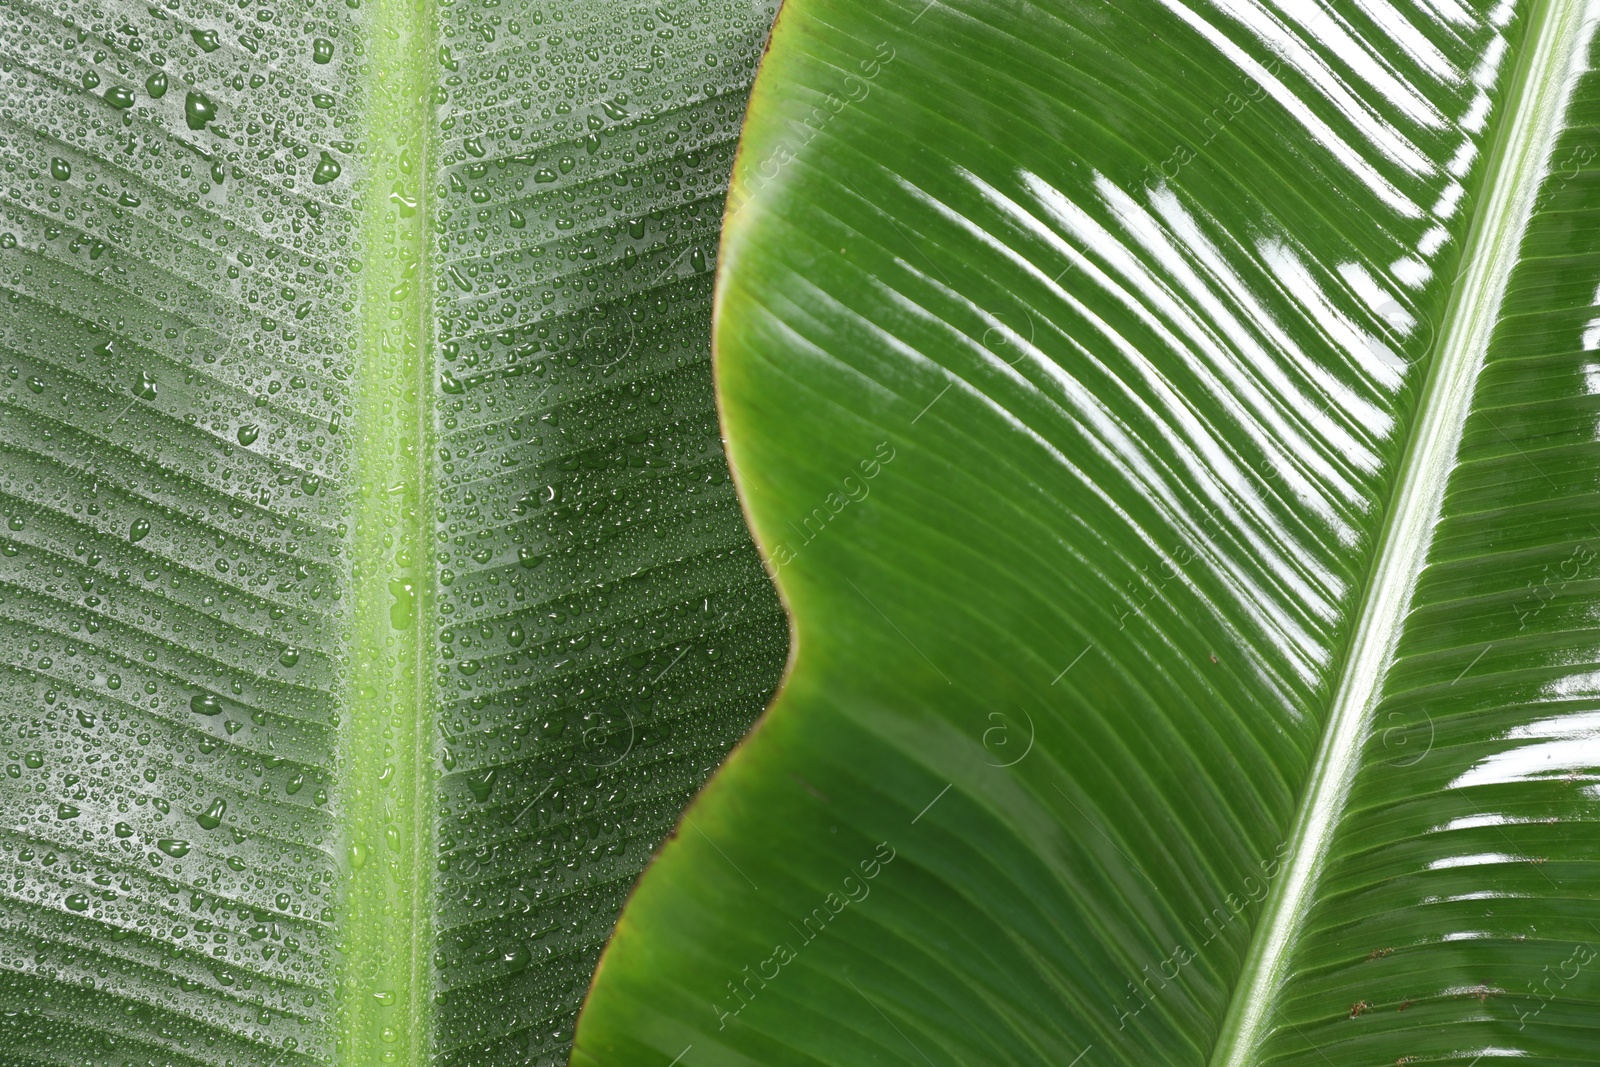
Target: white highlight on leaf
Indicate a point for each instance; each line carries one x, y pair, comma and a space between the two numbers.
1562, 745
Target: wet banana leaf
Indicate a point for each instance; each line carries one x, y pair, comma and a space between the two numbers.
1173, 427
372, 591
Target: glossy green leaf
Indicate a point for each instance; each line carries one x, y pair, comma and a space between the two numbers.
1173, 428
372, 591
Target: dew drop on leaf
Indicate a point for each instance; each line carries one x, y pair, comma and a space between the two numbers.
327, 170
481, 785
211, 818
139, 530
402, 613
198, 110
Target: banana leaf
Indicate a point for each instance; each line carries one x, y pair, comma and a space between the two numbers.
1173, 429
372, 591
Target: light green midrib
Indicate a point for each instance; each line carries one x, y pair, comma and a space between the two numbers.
386, 934
1535, 103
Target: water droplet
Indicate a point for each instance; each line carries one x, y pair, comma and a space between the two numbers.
481, 785
206, 39
293, 785
516, 960
205, 704
139, 530
289, 657
211, 818
247, 434
146, 388
120, 97
36, 384
402, 613
67, 811
515, 636
172, 846
156, 85
326, 171
474, 147
60, 169
322, 50
198, 110
78, 902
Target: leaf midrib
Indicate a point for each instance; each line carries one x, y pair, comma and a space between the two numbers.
387, 787
1535, 100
